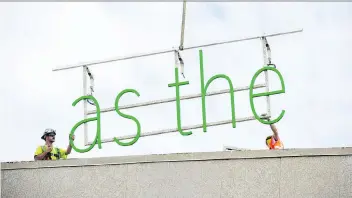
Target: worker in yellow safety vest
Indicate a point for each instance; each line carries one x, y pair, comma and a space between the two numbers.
48, 151
273, 141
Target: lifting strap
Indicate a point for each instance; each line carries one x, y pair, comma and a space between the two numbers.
179, 62
267, 52
91, 85
91, 80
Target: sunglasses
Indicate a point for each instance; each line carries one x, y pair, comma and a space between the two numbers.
51, 135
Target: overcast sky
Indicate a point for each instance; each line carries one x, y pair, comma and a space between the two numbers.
37, 37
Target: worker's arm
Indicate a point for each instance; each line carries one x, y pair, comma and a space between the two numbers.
68, 150
275, 131
69, 147
39, 154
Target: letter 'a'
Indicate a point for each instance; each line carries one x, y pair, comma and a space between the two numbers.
97, 139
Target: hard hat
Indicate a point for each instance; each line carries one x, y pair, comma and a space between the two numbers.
268, 138
48, 131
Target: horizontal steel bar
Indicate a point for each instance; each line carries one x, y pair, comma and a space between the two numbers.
167, 100
113, 60
172, 50
173, 130
245, 39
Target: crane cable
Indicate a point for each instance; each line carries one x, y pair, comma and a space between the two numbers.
183, 25
180, 48
177, 53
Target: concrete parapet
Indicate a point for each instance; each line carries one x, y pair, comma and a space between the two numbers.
321, 172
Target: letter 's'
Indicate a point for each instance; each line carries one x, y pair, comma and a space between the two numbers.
252, 95
97, 139
117, 109
177, 84
203, 90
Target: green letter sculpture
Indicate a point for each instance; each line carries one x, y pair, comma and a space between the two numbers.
97, 139
204, 90
128, 117
177, 84
251, 95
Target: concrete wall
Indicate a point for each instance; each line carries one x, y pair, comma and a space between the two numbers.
289, 173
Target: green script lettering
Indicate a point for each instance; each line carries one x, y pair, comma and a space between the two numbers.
251, 95
177, 84
204, 90
128, 117
97, 139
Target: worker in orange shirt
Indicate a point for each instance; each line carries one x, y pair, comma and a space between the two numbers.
273, 141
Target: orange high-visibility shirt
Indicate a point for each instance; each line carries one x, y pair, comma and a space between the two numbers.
275, 144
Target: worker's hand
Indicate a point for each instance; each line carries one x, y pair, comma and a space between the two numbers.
72, 137
48, 149
263, 115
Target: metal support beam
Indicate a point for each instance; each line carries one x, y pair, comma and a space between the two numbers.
266, 62
85, 125
171, 50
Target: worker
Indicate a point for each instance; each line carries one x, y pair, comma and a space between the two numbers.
48, 151
273, 141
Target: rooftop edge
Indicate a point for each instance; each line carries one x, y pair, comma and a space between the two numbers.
179, 157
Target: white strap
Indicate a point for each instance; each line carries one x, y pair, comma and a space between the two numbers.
266, 51
91, 80
179, 62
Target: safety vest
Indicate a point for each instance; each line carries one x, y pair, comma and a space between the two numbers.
48, 156
273, 144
